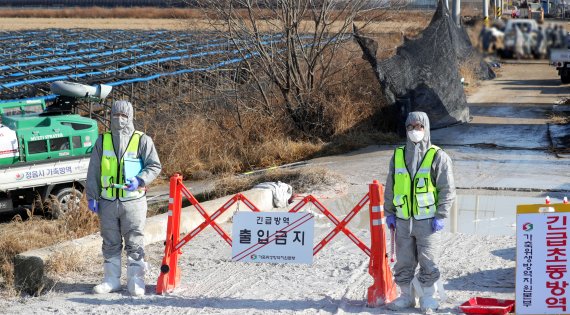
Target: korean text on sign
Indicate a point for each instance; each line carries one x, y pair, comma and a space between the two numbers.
542, 276
278, 237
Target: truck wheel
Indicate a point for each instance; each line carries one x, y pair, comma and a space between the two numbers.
565, 78
63, 200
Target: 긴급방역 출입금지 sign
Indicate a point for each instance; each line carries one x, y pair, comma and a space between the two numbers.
274, 237
542, 277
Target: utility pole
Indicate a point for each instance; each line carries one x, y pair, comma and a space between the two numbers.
457, 12
486, 12
500, 8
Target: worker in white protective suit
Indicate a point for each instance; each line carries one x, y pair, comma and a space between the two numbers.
123, 162
419, 194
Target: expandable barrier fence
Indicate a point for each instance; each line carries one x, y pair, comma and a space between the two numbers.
383, 289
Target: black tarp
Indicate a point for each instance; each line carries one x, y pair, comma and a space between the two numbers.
423, 75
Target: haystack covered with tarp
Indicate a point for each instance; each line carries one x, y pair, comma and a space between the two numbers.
424, 73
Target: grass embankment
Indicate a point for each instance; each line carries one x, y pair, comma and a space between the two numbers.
35, 231
349, 112
561, 117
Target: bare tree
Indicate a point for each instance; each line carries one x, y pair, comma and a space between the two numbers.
289, 47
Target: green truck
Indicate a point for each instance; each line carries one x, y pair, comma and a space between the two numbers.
44, 156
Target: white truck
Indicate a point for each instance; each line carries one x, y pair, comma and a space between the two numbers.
32, 183
560, 58
513, 41
44, 153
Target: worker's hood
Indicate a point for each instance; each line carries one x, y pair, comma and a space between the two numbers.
415, 152
122, 126
422, 118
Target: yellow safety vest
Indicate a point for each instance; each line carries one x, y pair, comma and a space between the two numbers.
112, 171
419, 195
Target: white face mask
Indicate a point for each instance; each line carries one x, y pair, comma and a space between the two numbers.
416, 135
119, 122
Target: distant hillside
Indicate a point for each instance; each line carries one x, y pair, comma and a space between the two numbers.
98, 3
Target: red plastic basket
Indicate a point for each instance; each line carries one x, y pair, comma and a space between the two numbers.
479, 305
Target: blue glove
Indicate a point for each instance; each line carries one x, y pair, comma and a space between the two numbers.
133, 184
391, 221
437, 224
93, 206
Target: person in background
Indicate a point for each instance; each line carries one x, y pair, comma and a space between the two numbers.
121, 202
419, 194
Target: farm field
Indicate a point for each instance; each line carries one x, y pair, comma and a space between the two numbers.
38, 51
15, 24
113, 57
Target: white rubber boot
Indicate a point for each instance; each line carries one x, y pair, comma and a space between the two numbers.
405, 300
112, 278
135, 276
428, 303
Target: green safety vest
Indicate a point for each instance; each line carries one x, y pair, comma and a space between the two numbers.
417, 197
112, 171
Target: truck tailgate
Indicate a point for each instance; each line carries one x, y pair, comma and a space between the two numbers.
559, 55
45, 173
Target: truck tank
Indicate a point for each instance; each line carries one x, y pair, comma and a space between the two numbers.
9, 151
49, 137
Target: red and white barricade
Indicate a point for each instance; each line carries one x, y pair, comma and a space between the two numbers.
382, 291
